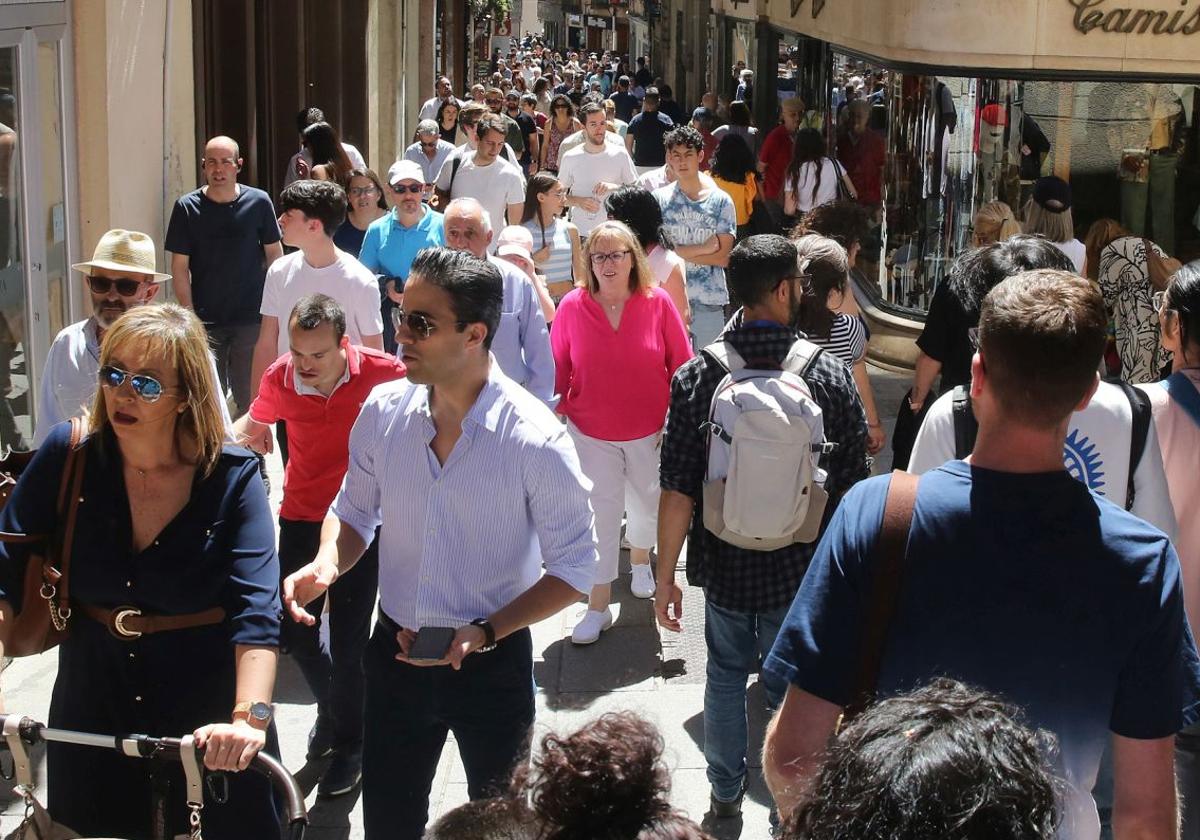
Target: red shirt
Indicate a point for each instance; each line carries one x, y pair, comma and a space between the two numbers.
864, 159
318, 427
776, 153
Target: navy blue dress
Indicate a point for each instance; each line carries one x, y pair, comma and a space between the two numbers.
218, 551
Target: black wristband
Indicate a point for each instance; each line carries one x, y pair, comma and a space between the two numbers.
489, 633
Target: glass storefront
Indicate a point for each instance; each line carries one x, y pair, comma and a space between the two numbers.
955, 143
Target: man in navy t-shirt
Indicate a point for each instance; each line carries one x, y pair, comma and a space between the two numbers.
644, 139
222, 237
1016, 578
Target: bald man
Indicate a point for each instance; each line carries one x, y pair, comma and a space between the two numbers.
221, 239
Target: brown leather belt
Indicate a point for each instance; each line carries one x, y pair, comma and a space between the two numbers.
128, 623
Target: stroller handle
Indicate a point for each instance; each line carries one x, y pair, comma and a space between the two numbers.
146, 746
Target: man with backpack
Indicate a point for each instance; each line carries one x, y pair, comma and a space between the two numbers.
485, 175
762, 427
1007, 573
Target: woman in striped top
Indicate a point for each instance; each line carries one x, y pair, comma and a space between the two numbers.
826, 273
556, 246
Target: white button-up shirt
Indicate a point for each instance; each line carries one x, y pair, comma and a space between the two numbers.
461, 540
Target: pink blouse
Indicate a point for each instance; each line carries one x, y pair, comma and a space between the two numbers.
615, 384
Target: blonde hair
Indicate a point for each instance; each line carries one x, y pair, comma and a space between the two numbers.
1057, 227
641, 278
176, 334
995, 222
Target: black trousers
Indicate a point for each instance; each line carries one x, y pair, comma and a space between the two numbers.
488, 705
335, 676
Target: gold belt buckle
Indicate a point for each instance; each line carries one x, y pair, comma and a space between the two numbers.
118, 623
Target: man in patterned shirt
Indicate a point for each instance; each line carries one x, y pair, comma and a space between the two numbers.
747, 593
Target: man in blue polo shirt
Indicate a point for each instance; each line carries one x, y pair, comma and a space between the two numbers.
392, 241
1016, 578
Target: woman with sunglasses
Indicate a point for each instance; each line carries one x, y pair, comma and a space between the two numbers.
562, 123
174, 623
557, 250
1175, 406
366, 203
617, 340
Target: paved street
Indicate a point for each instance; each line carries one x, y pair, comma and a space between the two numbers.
632, 667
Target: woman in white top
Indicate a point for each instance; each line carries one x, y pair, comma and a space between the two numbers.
812, 178
557, 250
640, 210
1048, 214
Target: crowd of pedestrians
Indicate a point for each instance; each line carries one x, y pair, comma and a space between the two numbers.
575, 318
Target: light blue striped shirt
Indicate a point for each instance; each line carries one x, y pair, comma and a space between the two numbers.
522, 342
462, 540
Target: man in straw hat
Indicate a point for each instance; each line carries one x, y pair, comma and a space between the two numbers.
121, 274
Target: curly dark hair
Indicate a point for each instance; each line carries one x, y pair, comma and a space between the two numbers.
607, 782
732, 160
685, 136
945, 761
845, 222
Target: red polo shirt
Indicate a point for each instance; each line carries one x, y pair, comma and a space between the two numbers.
776, 153
318, 427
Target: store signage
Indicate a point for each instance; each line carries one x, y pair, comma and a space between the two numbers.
1100, 14
598, 22
574, 20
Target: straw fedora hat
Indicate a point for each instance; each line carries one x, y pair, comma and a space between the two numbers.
124, 250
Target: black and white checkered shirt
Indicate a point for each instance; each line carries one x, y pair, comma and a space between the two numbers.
737, 578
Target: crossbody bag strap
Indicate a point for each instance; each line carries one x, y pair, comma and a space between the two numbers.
1183, 391
891, 546
64, 535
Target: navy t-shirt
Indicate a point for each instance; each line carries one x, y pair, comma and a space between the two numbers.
1029, 585
626, 103
647, 129
224, 243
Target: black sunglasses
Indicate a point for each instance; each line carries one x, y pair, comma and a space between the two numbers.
146, 387
399, 189
126, 286
417, 323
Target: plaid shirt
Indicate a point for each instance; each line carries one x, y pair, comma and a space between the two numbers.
737, 578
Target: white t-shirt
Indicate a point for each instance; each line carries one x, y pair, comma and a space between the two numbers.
663, 261
1096, 452
826, 191
495, 186
346, 280
580, 171
1074, 249
356, 161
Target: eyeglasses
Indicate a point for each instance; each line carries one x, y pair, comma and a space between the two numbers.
613, 257
400, 189
126, 286
146, 387
418, 324
362, 191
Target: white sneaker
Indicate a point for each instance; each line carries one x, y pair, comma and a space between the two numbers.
642, 584
589, 628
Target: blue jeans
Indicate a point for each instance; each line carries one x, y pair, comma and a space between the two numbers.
488, 705
737, 643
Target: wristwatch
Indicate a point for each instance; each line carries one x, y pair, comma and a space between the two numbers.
257, 715
489, 634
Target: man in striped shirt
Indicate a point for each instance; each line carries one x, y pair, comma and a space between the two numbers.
476, 486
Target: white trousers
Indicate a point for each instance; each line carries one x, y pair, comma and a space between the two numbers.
624, 476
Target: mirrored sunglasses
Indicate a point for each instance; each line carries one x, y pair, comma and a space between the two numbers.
147, 388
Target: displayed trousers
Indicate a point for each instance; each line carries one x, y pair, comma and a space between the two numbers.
1157, 194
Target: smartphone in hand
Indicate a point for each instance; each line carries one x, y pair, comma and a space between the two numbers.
432, 644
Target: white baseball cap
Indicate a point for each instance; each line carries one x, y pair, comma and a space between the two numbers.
405, 170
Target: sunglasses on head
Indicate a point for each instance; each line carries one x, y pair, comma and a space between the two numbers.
418, 324
147, 388
126, 286
400, 189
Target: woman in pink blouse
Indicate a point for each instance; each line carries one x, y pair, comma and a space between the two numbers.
617, 341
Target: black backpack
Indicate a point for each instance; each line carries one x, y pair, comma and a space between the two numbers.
966, 428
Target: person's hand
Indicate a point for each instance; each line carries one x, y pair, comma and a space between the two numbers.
875, 438
393, 295
668, 605
541, 254
1025, 150
229, 746
467, 639
259, 440
302, 169
304, 586
591, 205
602, 189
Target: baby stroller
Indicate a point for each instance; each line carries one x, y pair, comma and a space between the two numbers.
19, 733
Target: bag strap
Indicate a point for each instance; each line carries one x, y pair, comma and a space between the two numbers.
1139, 431
1183, 391
64, 533
454, 164
724, 354
801, 357
891, 547
966, 427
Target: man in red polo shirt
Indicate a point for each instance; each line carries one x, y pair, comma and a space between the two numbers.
318, 389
